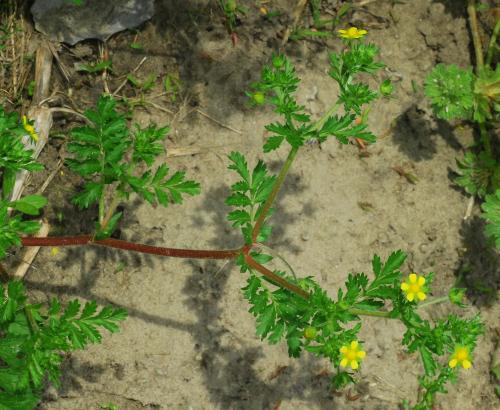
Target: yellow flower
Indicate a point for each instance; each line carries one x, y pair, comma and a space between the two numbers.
351, 354
30, 129
414, 287
461, 356
352, 33
54, 251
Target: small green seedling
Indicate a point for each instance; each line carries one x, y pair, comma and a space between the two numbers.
457, 93
94, 68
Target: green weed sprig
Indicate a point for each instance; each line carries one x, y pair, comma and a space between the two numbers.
112, 161
32, 339
457, 93
116, 163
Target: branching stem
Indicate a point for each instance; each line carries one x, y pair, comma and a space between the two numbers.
274, 192
440, 299
131, 246
376, 313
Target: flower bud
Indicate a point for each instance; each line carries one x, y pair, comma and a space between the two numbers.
310, 332
231, 5
259, 98
386, 88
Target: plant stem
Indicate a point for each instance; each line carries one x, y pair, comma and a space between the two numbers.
440, 299
376, 313
281, 177
485, 138
277, 255
319, 124
275, 278
493, 43
471, 10
274, 192
131, 246
111, 210
31, 319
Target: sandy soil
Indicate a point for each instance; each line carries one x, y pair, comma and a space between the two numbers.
189, 342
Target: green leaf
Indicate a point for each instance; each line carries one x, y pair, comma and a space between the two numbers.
341, 128
94, 68
273, 142
239, 217
175, 186
238, 199
386, 276
146, 143
476, 173
9, 180
239, 165
30, 204
341, 380
91, 194
25, 400
110, 227
491, 209
265, 321
428, 361
450, 90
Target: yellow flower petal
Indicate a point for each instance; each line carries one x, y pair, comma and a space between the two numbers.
421, 281
354, 344
361, 354
362, 32
466, 364
421, 295
354, 365
344, 349
344, 362
452, 363
413, 278
405, 286
342, 31
410, 296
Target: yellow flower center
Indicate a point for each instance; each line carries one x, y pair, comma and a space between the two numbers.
414, 288
461, 354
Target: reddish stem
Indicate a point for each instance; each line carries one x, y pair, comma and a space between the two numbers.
275, 278
130, 246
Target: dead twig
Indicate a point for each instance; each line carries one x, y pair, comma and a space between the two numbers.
218, 122
470, 205
122, 84
297, 12
50, 177
30, 254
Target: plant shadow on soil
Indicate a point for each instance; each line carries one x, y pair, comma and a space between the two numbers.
413, 134
480, 264
222, 366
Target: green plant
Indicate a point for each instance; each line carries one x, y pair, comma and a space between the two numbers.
32, 340
97, 67
320, 24
116, 162
112, 159
457, 93
231, 8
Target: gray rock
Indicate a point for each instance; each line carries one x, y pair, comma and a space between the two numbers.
63, 21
